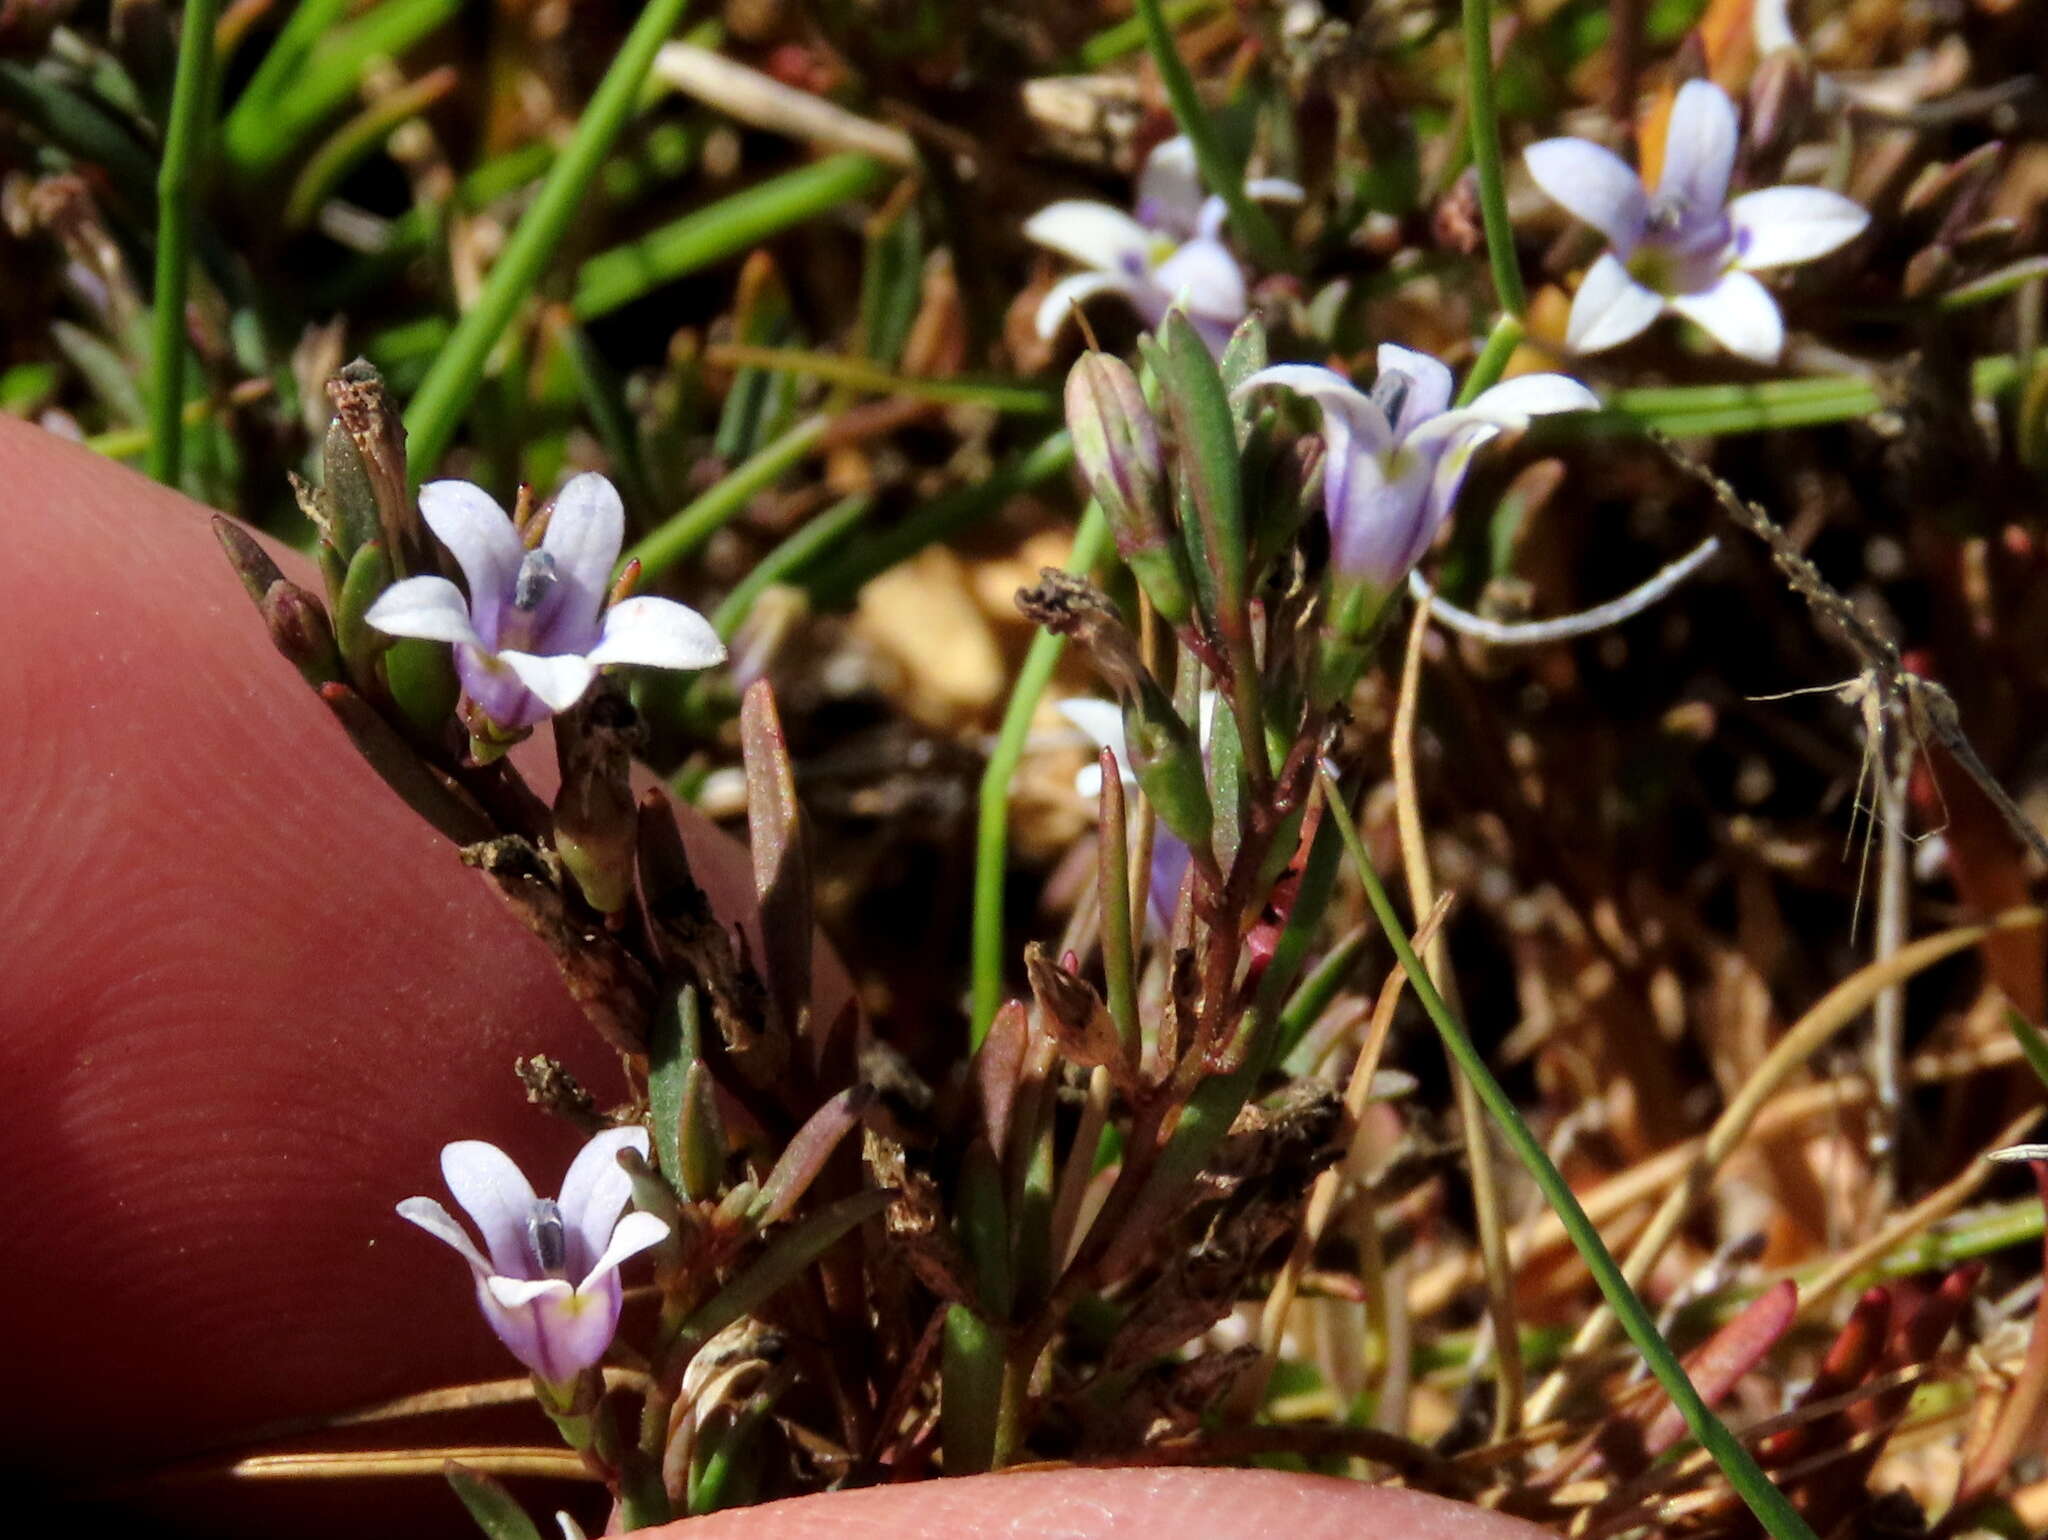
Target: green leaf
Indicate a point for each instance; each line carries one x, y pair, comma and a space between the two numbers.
496, 1511
970, 1391
1207, 434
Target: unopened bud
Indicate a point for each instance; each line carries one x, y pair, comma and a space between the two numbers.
298, 625
1167, 760
1116, 441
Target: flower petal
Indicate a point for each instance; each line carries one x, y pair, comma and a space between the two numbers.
1609, 308
594, 1191
584, 534
512, 1293
1203, 279
559, 682
657, 633
1739, 313
1593, 183
431, 608
1455, 460
575, 1331
518, 1326
440, 1224
1513, 402
1783, 225
633, 1234
496, 690
1063, 297
1429, 386
1093, 234
1353, 424
1170, 188
1699, 150
479, 534
1382, 525
1171, 859
495, 1193
1103, 722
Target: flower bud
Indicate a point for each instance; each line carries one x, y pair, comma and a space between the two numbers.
1117, 443
299, 627
1167, 760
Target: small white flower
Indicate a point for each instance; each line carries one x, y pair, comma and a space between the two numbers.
549, 1286
1687, 248
1170, 256
1395, 458
535, 628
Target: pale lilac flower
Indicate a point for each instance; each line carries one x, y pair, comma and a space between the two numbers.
535, 628
1169, 256
1394, 459
1103, 723
549, 1286
1687, 248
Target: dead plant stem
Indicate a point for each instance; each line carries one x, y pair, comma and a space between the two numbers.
1486, 1203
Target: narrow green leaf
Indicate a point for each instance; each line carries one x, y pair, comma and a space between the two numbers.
496, 1511
785, 1258
970, 1391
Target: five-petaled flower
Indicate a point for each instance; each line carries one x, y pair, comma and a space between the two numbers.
549, 1286
1686, 247
1170, 256
1395, 458
535, 628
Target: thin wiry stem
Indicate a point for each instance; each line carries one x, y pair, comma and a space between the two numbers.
1533, 633
182, 171
1486, 161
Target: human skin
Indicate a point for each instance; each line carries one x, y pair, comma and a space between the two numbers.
249, 996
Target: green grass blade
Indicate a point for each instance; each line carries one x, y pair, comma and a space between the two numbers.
992, 830
686, 531
184, 166
451, 384
1771, 1507
732, 225
1220, 170
1483, 112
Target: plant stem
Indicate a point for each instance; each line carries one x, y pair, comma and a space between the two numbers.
992, 832
444, 395
183, 167
1487, 368
1485, 117
1220, 170
1770, 1506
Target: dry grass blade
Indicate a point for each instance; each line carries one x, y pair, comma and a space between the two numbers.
1486, 1204
1835, 1010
